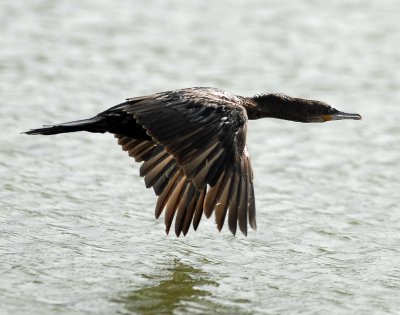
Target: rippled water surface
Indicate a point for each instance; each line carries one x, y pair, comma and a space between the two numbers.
78, 234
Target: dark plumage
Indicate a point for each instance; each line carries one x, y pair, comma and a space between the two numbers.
192, 145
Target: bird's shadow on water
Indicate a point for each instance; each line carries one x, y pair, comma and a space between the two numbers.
185, 290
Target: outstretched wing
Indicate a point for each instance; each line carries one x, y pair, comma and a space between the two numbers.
175, 192
199, 138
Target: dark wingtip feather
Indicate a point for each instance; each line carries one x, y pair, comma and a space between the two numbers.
211, 198
173, 202
198, 212
163, 198
233, 229
193, 197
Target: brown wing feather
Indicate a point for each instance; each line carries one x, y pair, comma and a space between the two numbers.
223, 201
183, 207
190, 210
158, 165
164, 196
234, 202
198, 211
173, 202
196, 159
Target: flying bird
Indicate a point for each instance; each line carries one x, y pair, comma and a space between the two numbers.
192, 146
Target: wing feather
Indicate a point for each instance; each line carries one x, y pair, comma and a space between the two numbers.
233, 207
223, 201
184, 207
190, 211
173, 202
196, 159
164, 196
242, 209
198, 212
212, 197
154, 174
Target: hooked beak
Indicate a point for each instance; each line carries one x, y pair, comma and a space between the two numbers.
340, 116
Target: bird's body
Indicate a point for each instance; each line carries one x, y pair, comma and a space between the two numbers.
192, 145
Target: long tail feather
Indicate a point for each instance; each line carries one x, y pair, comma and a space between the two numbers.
92, 124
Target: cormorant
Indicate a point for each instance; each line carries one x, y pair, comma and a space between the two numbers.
192, 145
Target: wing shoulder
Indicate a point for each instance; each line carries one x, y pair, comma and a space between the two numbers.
203, 129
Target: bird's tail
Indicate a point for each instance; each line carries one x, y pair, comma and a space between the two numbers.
95, 124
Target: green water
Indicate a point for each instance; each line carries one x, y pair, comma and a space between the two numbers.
78, 234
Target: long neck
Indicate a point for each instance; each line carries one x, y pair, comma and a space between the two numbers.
271, 105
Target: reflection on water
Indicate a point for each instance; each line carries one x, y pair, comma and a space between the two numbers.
180, 289
182, 286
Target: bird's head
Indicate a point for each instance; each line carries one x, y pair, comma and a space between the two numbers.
298, 109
